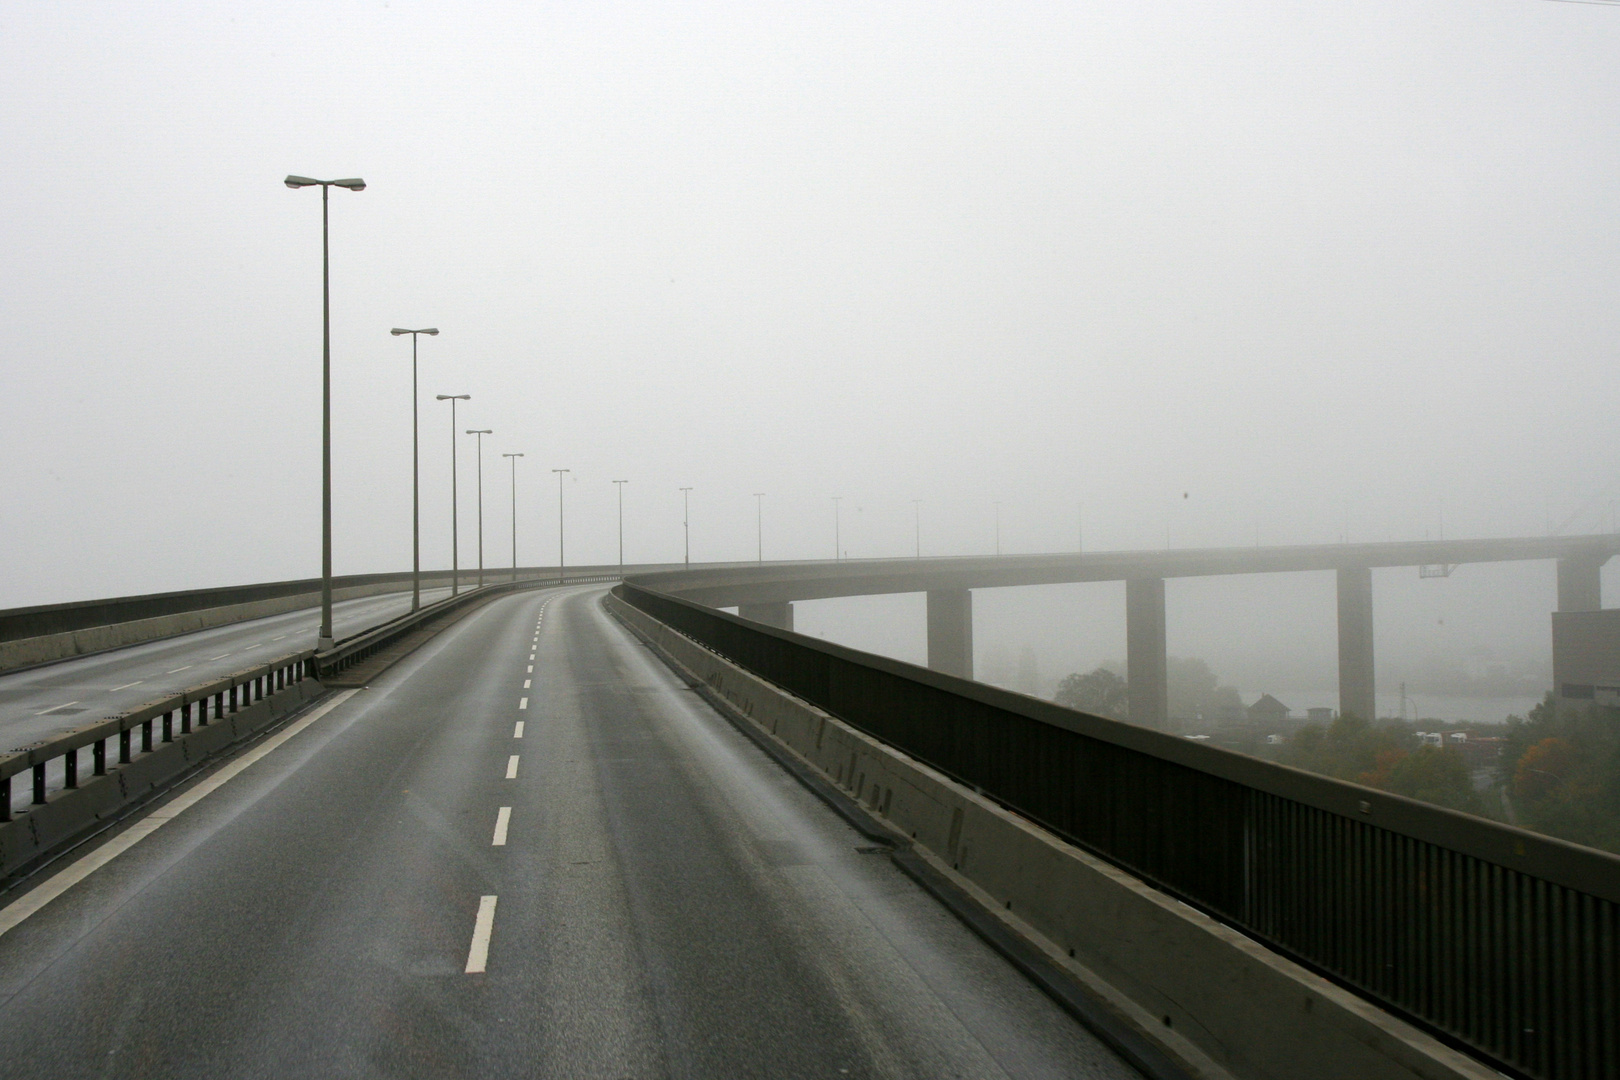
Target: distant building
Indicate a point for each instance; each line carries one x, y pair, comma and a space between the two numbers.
1268, 710
1586, 655
1319, 715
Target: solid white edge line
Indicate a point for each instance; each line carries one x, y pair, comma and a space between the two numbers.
478, 955
77, 871
517, 732
502, 820
511, 767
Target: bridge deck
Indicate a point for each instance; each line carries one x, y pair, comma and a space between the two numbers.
667, 900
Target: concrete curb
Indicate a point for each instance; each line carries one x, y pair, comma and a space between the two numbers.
41, 833
1215, 1002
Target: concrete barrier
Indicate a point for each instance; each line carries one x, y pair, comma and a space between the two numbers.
1218, 1003
71, 815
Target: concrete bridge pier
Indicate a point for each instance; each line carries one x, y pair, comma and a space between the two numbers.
777, 613
1356, 685
1580, 583
950, 632
1146, 668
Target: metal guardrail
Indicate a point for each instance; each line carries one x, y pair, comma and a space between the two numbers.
156, 723
1501, 942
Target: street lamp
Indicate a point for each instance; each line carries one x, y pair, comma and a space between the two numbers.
759, 524
620, 485
455, 554
514, 458
560, 574
480, 432
325, 640
416, 476
686, 523
838, 539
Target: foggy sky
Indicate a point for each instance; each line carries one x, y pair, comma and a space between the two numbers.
1272, 272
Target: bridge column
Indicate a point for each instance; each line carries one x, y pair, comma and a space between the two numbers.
950, 632
1356, 686
1146, 669
1580, 583
777, 613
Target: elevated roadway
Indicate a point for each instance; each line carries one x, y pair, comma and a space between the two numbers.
765, 593
40, 702
526, 850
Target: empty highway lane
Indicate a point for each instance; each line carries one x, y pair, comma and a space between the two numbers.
527, 850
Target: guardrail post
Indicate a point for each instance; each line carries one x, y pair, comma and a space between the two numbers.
219, 705
232, 693
39, 784
98, 758
124, 746
70, 769
5, 799
185, 721
146, 736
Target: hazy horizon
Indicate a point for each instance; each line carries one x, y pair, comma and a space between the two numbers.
1198, 277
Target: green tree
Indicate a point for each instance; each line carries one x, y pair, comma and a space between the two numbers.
1561, 767
1196, 691
1100, 692
1435, 776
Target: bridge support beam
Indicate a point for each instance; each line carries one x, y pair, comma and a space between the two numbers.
777, 613
1356, 685
950, 632
1146, 669
1580, 583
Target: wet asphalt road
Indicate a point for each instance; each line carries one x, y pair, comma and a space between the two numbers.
666, 901
38, 703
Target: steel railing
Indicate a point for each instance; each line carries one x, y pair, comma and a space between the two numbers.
155, 723
1502, 942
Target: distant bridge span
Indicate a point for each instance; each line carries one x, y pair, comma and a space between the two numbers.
766, 592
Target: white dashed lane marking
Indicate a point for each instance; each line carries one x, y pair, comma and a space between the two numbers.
511, 767
483, 926
517, 731
523, 703
502, 820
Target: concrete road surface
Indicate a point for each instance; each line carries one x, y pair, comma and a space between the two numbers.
525, 851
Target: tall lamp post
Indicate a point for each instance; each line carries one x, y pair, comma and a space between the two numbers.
480, 432
455, 553
759, 525
514, 458
416, 476
686, 524
838, 539
620, 485
560, 574
325, 641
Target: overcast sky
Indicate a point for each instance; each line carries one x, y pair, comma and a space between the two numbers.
1285, 272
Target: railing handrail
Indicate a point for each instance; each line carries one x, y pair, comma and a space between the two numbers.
26, 757
1473, 929
1572, 865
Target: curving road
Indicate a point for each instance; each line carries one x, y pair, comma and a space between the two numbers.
411, 884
